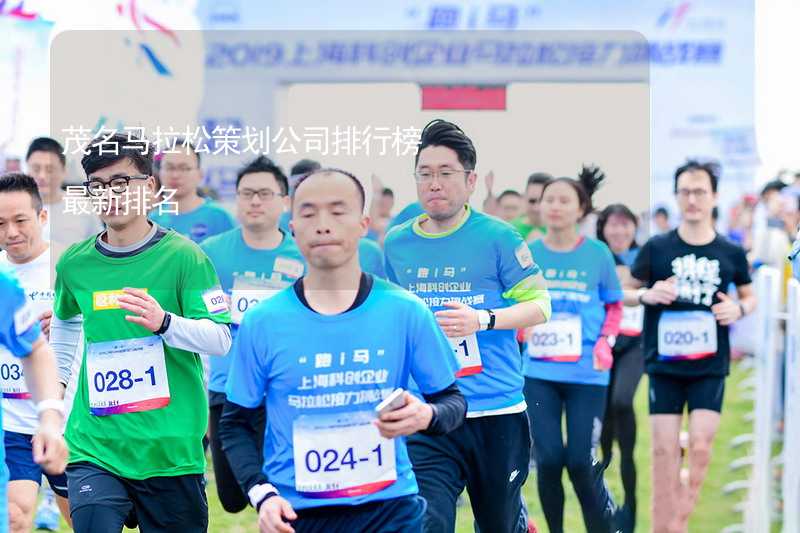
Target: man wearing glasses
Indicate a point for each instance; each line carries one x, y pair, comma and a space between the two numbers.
682, 278
198, 218
478, 275
253, 261
150, 302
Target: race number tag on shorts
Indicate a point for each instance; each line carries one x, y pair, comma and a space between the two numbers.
247, 293
341, 456
558, 340
12, 380
467, 354
632, 321
126, 376
685, 335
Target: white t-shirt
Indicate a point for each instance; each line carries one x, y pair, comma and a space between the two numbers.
70, 227
19, 415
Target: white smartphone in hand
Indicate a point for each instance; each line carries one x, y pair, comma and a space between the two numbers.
395, 400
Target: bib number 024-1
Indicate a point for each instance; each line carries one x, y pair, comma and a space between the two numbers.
341, 456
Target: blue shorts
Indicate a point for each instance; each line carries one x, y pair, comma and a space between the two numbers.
19, 459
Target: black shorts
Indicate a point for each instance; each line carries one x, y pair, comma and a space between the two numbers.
102, 501
669, 394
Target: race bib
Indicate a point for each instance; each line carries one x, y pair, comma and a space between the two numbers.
632, 321
248, 292
558, 340
12, 380
341, 456
468, 355
686, 335
126, 376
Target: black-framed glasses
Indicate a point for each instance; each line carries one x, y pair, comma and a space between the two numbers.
117, 184
445, 174
263, 194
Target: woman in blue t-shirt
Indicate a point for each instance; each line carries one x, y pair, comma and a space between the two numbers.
567, 360
616, 226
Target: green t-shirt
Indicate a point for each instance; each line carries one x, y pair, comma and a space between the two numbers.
143, 434
524, 228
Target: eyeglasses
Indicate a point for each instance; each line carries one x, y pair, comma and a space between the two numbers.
117, 184
445, 174
264, 194
700, 194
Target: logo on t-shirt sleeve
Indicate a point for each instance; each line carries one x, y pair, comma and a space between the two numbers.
215, 301
524, 256
24, 318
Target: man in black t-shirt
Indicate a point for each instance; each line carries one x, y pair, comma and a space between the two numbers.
682, 278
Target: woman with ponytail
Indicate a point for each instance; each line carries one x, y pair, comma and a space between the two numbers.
567, 360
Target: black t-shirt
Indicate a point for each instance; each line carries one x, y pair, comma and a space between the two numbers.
701, 272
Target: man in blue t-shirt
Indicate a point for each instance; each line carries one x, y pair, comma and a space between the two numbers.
253, 262
478, 275
21, 336
325, 353
197, 218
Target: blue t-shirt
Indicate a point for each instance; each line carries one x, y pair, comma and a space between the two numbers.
629, 256
19, 329
248, 275
370, 257
283, 222
410, 211
207, 220
475, 264
580, 283
320, 447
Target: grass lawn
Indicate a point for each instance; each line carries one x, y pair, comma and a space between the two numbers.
713, 513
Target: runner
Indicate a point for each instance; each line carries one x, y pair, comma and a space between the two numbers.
529, 225
567, 360
687, 350
477, 273
328, 464
198, 218
21, 336
25, 253
47, 165
617, 226
253, 262
150, 301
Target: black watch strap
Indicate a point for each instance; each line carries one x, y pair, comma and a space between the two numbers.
492, 319
164, 324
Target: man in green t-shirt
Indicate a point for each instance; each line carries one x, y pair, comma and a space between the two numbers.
530, 225
150, 301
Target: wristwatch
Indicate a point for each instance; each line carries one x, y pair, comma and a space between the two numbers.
486, 319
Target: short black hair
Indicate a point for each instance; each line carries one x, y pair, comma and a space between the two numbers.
692, 165
263, 163
387, 192
774, 185
615, 209
304, 166
589, 180
661, 211
508, 192
46, 144
538, 178
355, 180
19, 182
121, 147
439, 132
